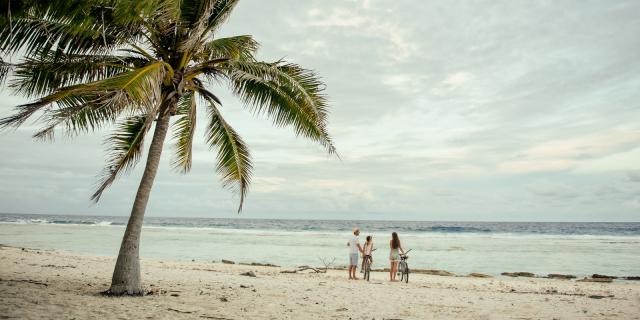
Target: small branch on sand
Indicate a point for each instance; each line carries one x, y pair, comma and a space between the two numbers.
27, 281
325, 261
179, 311
316, 270
304, 268
327, 264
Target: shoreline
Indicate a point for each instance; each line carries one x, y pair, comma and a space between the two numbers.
461, 254
41, 283
594, 277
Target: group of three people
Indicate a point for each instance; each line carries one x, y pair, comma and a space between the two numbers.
355, 249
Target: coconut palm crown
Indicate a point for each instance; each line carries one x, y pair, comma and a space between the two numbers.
135, 64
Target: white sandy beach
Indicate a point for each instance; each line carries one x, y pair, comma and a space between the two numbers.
38, 284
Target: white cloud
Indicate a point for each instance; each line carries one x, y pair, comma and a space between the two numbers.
397, 37
340, 18
406, 82
457, 79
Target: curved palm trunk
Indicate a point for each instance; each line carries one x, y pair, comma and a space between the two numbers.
126, 275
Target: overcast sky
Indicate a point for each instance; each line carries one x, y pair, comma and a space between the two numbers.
441, 110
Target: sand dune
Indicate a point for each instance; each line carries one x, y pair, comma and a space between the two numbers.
46, 284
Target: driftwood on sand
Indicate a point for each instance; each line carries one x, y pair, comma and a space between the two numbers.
326, 262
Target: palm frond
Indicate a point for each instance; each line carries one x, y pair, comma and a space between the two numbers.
142, 85
286, 92
194, 20
241, 48
5, 69
126, 145
233, 161
221, 11
83, 113
82, 33
134, 90
185, 128
46, 72
206, 94
23, 112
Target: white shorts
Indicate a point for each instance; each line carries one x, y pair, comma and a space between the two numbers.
353, 259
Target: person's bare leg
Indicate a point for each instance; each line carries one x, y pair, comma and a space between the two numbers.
391, 271
394, 269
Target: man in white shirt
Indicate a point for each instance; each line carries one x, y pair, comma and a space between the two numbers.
354, 249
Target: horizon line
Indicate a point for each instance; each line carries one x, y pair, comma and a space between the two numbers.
312, 219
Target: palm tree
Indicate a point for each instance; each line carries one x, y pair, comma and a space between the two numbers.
136, 64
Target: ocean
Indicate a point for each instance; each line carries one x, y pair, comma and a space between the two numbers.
579, 248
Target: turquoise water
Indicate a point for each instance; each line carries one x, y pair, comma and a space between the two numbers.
481, 249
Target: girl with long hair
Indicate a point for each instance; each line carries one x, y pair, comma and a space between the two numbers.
394, 255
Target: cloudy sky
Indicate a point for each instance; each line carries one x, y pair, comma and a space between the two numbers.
441, 110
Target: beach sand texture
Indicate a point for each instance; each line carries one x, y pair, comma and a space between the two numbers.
38, 284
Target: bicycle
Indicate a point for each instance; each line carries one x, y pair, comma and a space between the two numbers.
403, 267
368, 259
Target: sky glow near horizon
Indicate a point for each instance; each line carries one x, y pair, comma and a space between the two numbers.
441, 110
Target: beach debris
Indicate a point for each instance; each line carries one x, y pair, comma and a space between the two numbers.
179, 311
225, 261
248, 274
632, 278
58, 267
245, 286
602, 276
597, 296
478, 275
27, 281
560, 276
224, 299
328, 264
305, 268
258, 264
342, 309
518, 274
160, 291
603, 280
434, 272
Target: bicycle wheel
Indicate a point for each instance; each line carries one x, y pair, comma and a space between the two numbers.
404, 271
406, 274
